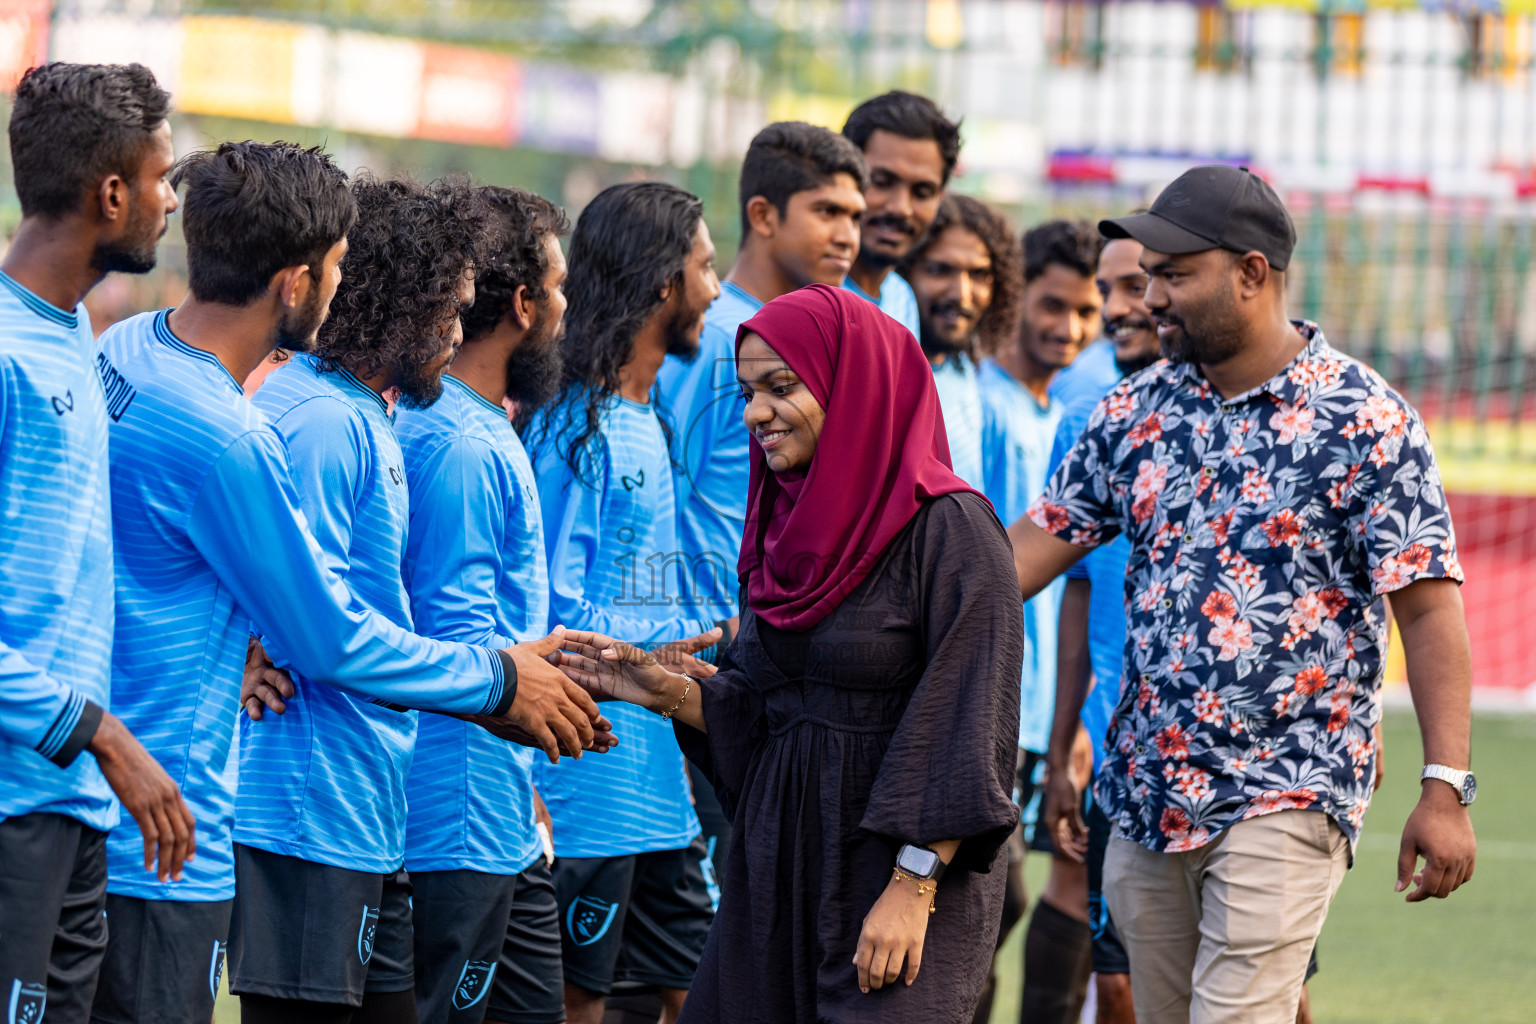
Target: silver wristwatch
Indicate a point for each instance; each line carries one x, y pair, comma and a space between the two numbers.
1465, 783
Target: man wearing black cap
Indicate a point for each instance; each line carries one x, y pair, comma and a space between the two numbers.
1272, 490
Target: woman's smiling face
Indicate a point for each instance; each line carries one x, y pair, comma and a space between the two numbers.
784, 418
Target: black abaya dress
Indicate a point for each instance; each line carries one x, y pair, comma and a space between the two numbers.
894, 720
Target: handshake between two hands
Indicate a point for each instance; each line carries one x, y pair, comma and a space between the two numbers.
560, 679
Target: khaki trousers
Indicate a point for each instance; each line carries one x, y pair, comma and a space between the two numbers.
1223, 933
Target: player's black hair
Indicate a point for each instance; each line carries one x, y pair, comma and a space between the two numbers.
255, 208
1074, 244
791, 156
74, 124
630, 242
1001, 319
909, 115
406, 256
524, 220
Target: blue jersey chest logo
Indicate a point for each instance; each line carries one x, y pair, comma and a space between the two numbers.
365, 932
474, 982
631, 482
589, 919
65, 404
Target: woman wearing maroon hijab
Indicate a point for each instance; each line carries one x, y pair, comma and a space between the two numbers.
862, 726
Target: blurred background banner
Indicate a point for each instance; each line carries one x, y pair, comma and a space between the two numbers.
1402, 135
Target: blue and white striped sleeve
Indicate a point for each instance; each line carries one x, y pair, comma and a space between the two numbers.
36, 709
310, 619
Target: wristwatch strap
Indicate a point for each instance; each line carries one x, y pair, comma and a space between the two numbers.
1454, 776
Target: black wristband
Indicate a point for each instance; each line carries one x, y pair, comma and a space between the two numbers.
81, 735
508, 687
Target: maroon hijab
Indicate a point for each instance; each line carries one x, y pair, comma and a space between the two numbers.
812, 538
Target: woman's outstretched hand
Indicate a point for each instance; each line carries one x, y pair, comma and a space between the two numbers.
893, 933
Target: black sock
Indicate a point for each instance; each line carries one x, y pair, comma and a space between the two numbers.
387, 1008
1057, 962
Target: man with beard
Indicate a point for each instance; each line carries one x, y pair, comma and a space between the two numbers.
1091, 638
911, 149
1272, 490
209, 537
90, 149
321, 921
628, 874
487, 934
966, 276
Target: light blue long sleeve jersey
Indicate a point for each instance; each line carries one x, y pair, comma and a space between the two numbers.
474, 567
55, 561
703, 400
1105, 569
896, 299
325, 782
208, 538
613, 555
960, 400
1017, 433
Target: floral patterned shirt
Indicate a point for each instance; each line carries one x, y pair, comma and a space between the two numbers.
1264, 530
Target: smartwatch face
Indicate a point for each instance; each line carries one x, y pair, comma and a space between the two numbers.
1469, 788
918, 861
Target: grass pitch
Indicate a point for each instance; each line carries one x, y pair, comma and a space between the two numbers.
1469, 959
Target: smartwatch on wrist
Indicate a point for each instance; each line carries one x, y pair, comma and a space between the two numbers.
920, 862
1465, 783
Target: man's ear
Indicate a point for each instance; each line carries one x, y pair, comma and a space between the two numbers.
522, 309
112, 199
762, 216
291, 285
1253, 273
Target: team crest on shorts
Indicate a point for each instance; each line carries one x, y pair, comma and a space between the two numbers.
216, 967
26, 1003
589, 919
365, 929
474, 982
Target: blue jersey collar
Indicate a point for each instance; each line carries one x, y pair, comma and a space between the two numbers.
39, 305
168, 337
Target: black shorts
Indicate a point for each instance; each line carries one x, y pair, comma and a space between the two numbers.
323, 934
53, 926
1109, 955
530, 981
641, 918
487, 947
164, 960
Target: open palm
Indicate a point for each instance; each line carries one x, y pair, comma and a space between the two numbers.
611, 669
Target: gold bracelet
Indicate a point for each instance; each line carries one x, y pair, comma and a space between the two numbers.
924, 887
687, 685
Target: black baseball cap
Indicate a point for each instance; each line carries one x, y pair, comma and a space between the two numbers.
1212, 207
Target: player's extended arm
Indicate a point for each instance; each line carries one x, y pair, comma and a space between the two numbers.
1039, 557
1074, 674
1433, 626
314, 623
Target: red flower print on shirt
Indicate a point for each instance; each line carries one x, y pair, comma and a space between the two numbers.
1053, 519
1284, 527
1148, 430
1219, 605
1232, 636
1292, 421
1172, 743
1380, 415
